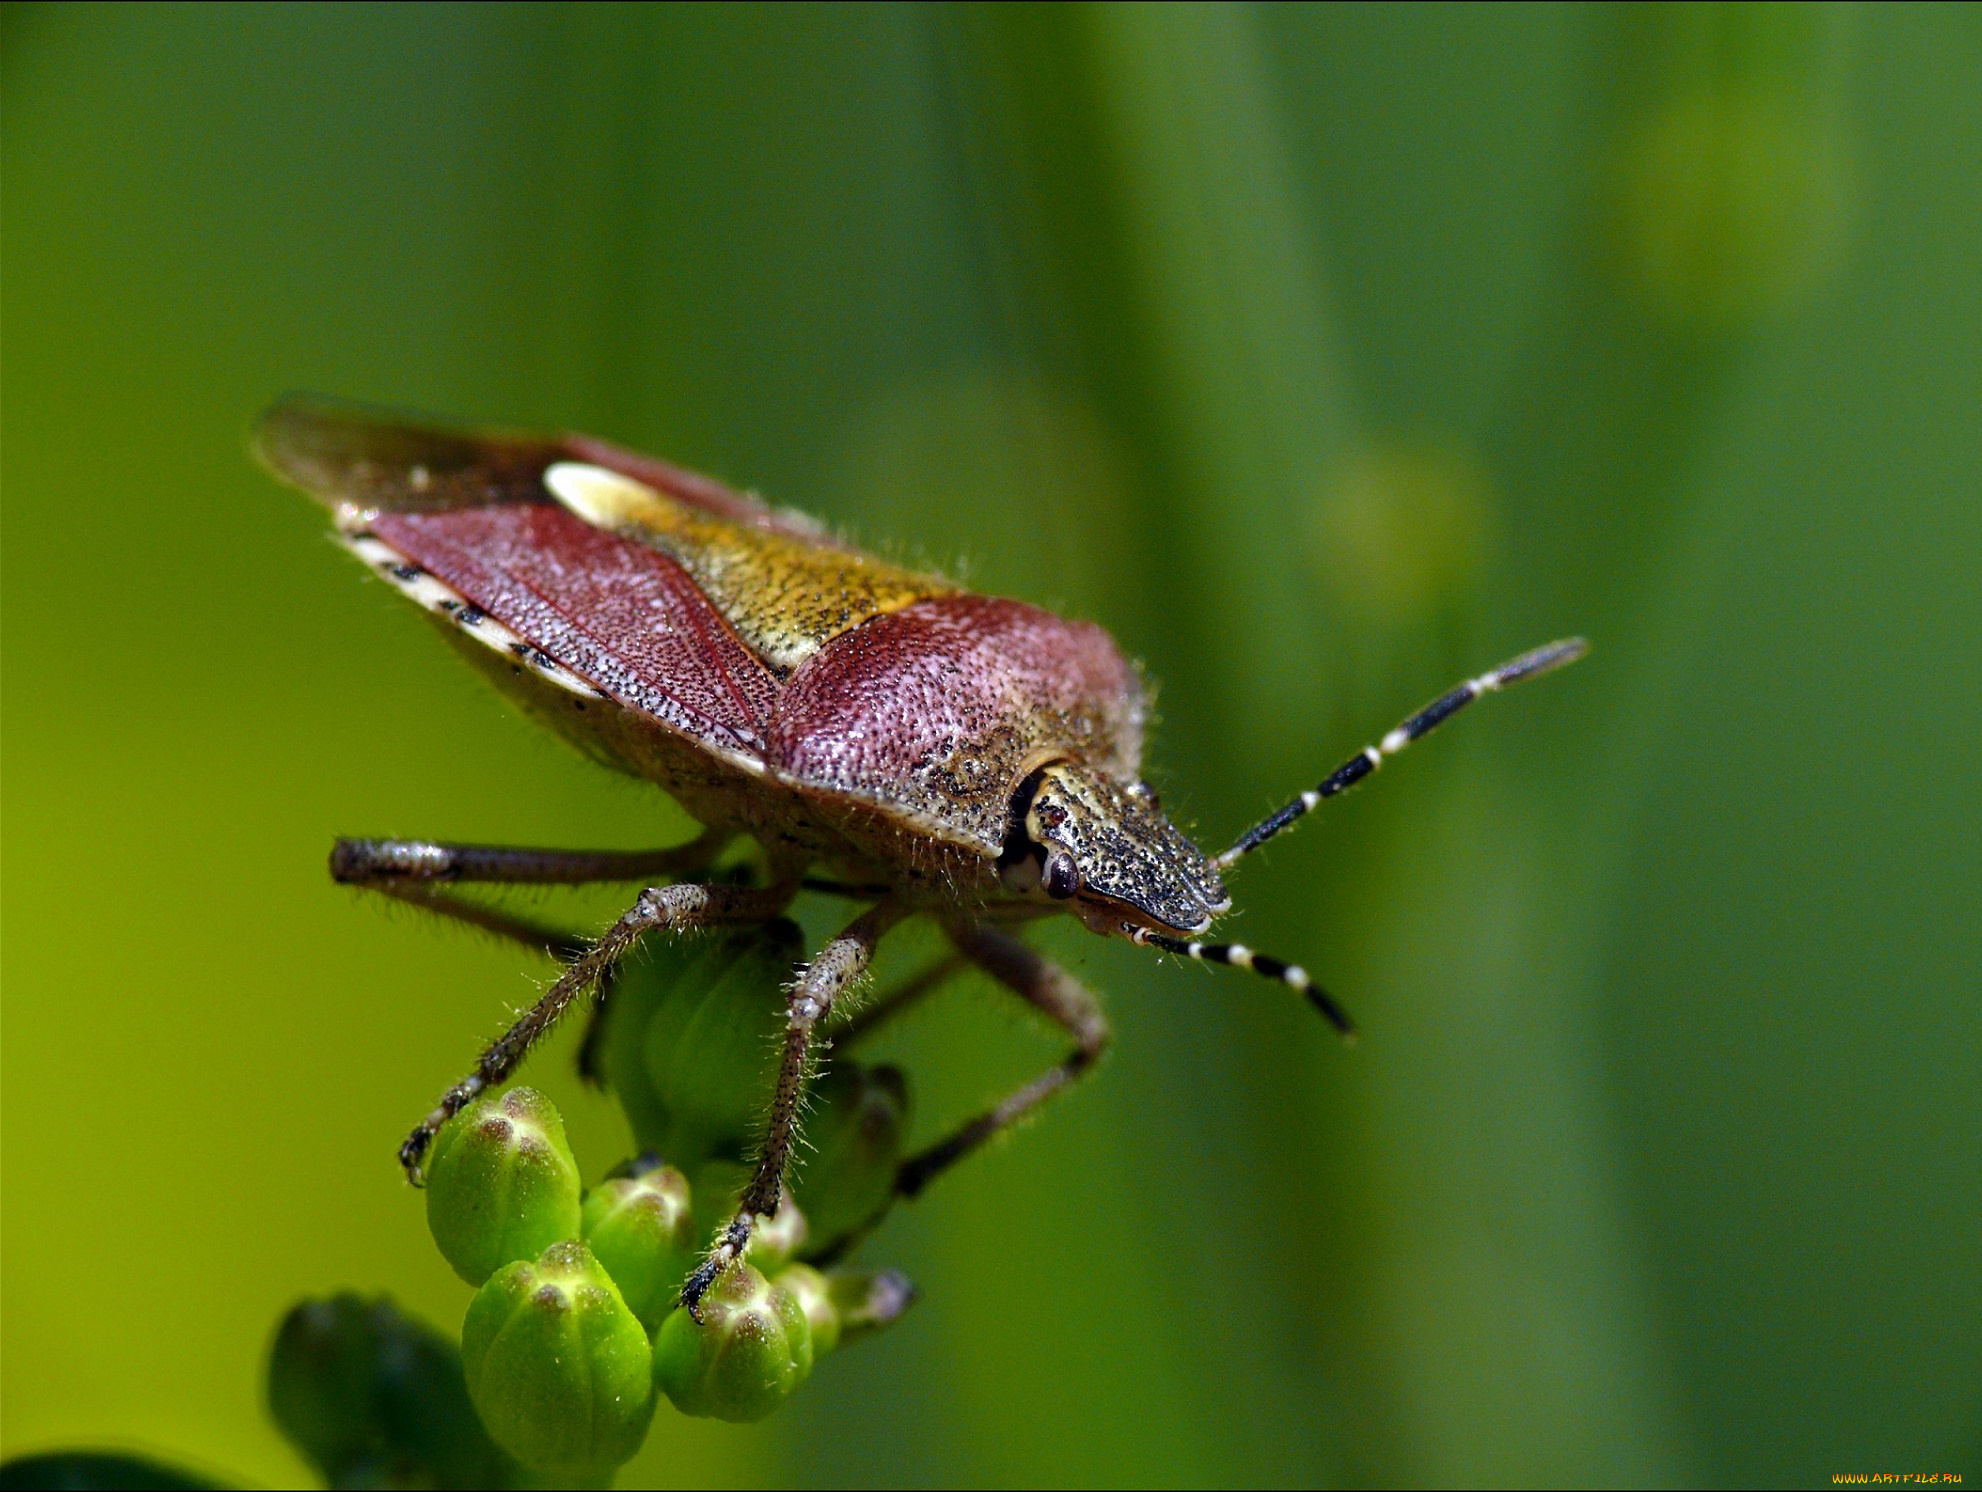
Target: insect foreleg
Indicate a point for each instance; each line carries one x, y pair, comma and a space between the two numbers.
659, 908
1049, 989
380, 863
810, 1000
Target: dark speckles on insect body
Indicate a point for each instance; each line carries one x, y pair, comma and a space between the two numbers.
419, 583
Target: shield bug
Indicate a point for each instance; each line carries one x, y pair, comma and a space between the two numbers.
927, 750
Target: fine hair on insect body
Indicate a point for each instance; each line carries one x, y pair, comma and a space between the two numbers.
881, 734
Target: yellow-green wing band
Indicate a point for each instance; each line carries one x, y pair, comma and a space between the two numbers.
785, 596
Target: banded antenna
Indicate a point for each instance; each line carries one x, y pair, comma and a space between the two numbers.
1237, 955
1529, 665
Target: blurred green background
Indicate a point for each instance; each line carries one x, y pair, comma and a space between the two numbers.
1324, 354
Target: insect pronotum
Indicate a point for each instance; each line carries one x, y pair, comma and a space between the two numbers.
929, 751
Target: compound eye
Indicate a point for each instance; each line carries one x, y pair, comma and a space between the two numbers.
1062, 880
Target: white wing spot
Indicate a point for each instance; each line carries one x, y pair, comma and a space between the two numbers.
433, 594
602, 498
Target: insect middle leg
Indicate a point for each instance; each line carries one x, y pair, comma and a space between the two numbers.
838, 966
383, 863
1049, 989
676, 908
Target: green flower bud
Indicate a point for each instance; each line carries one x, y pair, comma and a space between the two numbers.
558, 1367
501, 1185
640, 1228
752, 1347
815, 1298
773, 1240
691, 1040
374, 1398
855, 1130
865, 1303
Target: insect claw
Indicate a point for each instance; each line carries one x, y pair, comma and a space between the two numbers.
698, 1285
410, 1155
729, 1249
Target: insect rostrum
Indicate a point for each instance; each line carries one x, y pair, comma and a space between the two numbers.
936, 752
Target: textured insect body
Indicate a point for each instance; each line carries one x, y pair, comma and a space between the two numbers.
873, 718
928, 749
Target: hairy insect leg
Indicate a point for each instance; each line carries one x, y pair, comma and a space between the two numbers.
657, 909
415, 871
884, 1008
1049, 989
592, 1045
382, 863
536, 936
810, 1000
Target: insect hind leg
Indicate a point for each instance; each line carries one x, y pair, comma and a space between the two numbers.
537, 936
1049, 989
677, 908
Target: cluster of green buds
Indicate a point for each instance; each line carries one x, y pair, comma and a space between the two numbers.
575, 1331
575, 1325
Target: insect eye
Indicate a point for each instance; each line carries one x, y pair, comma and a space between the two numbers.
1062, 880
